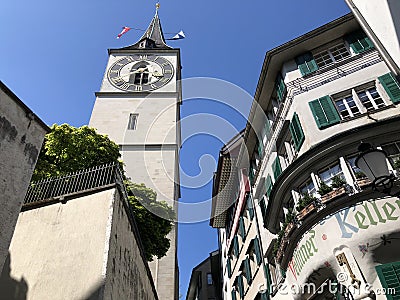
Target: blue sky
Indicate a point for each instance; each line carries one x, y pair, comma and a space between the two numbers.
53, 55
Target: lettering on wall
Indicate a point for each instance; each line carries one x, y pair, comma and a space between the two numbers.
349, 222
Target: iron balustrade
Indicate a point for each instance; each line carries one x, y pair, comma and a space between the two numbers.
58, 188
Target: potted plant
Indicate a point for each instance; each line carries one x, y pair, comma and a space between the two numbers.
361, 179
360, 175
397, 164
305, 205
324, 189
288, 226
338, 181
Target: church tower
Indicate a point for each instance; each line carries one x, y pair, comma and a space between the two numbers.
138, 107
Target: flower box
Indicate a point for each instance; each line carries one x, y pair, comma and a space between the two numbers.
333, 194
288, 230
305, 211
362, 182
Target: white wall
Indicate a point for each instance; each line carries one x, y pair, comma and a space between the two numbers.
20, 143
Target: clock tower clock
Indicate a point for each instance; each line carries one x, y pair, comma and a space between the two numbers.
138, 107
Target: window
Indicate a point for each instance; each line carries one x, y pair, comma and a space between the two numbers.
246, 270
132, 123
297, 132
370, 98
391, 86
306, 64
389, 276
209, 279
250, 208
358, 174
308, 188
280, 88
276, 168
392, 150
333, 54
324, 112
347, 107
328, 173
359, 42
141, 74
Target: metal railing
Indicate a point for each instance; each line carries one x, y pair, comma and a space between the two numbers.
57, 188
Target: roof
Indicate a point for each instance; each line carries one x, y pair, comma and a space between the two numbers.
225, 179
152, 38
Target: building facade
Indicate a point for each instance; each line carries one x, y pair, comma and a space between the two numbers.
76, 238
299, 219
21, 137
138, 107
205, 279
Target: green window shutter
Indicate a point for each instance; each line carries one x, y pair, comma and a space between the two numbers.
260, 148
268, 185
280, 87
251, 174
250, 207
391, 87
276, 168
359, 42
242, 229
296, 131
240, 286
233, 294
264, 296
235, 246
269, 280
389, 276
306, 64
257, 250
229, 267
263, 207
247, 270
324, 112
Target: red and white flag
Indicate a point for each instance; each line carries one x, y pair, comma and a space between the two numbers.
124, 30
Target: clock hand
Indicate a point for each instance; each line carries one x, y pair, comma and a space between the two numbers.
154, 73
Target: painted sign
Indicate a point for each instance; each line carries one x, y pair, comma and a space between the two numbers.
375, 216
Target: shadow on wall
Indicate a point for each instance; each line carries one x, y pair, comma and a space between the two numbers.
96, 294
10, 288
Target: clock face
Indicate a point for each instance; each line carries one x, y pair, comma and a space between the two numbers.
140, 73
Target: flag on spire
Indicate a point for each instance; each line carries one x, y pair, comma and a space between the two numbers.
124, 30
180, 35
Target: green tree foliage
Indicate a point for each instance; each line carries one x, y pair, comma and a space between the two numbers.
68, 149
153, 219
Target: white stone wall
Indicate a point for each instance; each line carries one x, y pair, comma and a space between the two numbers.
371, 13
150, 152
79, 250
127, 275
21, 137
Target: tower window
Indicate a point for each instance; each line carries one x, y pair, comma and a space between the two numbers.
209, 279
132, 121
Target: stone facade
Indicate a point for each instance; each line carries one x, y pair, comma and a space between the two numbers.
87, 248
305, 223
150, 148
21, 137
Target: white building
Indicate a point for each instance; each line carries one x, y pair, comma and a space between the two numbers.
293, 210
138, 107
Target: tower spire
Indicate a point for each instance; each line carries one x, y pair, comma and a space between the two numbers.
153, 37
